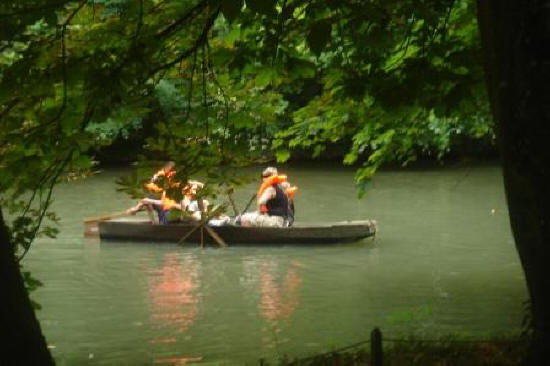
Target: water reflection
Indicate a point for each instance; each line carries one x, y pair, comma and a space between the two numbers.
174, 302
279, 298
177, 360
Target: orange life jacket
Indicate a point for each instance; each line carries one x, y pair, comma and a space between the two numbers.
153, 187
291, 191
275, 179
268, 182
162, 173
168, 204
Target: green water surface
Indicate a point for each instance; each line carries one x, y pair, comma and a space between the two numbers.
443, 262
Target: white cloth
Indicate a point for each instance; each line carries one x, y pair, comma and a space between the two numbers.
258, 219
193, 206
220, 221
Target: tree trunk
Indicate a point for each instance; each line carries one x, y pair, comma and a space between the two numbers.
516, 40
23, 342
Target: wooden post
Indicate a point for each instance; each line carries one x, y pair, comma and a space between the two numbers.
218, 239
200, 203
376, 352
201, 223
202, 236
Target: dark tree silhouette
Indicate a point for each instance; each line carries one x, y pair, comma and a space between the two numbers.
23, 342
515, 36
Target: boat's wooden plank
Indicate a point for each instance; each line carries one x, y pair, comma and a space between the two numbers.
301, 233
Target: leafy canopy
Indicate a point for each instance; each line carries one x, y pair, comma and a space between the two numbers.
218, 84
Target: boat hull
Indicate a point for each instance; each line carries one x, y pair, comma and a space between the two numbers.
300, 233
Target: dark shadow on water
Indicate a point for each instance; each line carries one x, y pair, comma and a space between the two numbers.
367, 242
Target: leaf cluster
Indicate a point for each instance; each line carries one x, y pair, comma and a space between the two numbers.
216, 85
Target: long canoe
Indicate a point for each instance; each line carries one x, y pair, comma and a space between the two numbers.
299, 233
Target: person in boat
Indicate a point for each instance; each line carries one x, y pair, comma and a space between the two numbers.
159, 201
189, 204
275, 200
156, 198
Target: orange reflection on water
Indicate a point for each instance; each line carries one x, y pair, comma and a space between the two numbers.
278, 301
178, 360
172, 296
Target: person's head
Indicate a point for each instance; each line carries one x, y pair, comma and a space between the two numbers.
168, 166
268, 172
192, 187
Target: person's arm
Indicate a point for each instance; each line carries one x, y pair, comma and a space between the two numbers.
284, 185
157, 175
268, 194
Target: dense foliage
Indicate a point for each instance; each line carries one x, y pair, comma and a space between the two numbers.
219, 83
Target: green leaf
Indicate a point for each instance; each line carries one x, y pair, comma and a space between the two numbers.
301, 68
350, 158
319, 35
282, 155
264, 77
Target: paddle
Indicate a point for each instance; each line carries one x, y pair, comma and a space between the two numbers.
238, 218
105, 217
249, 202
90, 223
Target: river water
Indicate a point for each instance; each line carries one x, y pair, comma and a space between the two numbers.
443, 262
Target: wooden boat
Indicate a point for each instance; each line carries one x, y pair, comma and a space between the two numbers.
299, 233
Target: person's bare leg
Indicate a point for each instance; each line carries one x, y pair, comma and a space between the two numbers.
135, 209
151, 215
147, 204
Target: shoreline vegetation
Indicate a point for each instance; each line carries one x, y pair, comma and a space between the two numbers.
446, 351
124, 152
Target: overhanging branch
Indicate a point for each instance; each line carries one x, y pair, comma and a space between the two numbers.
177, 23
188, 52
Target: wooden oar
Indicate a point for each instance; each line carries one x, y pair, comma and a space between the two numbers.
249, 202
215, 236
238, 217
105, 217
90, 223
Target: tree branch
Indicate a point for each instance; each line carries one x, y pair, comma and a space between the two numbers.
9, 107
64, 61
177, 23
202, 38
37, 9
140, 21
49, 178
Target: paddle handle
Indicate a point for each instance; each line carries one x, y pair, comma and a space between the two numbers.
249, 203
105, 217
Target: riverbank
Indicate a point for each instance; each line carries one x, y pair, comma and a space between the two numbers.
449, 352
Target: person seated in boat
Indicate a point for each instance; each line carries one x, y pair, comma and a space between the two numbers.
167, 172
189, 204
156, 199
275, 202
